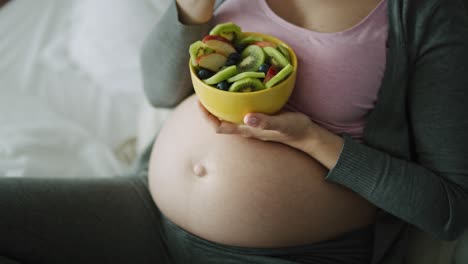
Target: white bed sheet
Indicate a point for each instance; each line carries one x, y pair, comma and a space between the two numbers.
68, 98
35, 141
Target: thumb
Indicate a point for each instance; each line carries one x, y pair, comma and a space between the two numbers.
265, 122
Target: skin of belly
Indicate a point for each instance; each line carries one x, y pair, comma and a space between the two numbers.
245, 192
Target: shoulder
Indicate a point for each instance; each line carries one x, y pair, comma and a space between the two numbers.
429, 5
421, 21
417, 11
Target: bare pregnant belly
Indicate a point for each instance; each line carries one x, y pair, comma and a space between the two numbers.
245, 192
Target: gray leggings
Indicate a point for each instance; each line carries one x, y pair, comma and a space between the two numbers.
114, 221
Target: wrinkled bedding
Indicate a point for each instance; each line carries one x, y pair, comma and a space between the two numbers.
70, 85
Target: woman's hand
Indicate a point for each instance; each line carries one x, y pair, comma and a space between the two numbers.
286, 127
290, 128
195, 11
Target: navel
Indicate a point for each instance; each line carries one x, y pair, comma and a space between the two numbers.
199, 170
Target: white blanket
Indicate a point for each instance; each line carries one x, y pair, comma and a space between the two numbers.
70, 85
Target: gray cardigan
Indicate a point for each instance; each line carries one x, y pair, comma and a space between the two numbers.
413, 163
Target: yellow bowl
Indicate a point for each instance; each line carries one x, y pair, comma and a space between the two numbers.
233, 106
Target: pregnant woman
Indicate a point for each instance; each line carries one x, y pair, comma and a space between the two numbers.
246, 192
372, 141
372, 130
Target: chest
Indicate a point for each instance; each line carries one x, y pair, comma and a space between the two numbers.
339, 73
323, 15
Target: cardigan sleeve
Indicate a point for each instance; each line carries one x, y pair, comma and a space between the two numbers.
431, 190
164, 59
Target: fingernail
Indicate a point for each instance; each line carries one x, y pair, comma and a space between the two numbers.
252, 121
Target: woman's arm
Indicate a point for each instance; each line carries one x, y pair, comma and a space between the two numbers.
165, 57
432, 191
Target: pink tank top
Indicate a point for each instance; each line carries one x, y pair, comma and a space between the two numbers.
339, 74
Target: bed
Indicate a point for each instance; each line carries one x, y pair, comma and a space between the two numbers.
71, 94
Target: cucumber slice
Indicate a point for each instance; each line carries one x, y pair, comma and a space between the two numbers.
222, 75
280, 76
244, 75
285, 52
276, 57
249, 40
